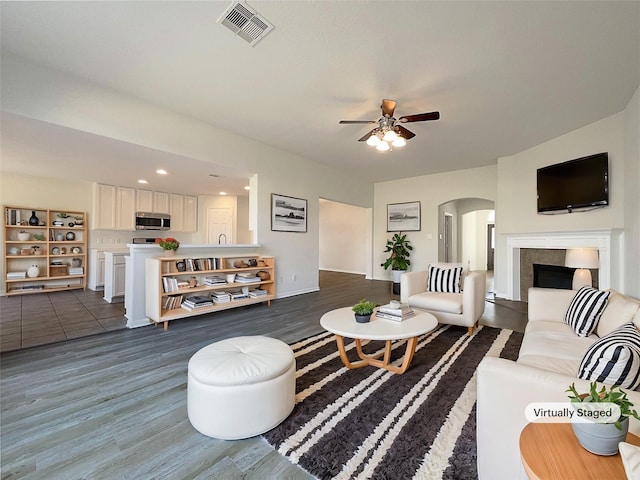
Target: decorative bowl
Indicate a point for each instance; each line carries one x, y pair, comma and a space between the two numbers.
24, 236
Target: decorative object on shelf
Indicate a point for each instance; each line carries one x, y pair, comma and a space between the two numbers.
33, 219
169, 244
14, 251
231, 277
70, 236
33, 271
599, 437
264, 275
35, 250
76, 262
63, 251
25, 251
240, 264
78, 220
59, 237
55, 251
23, 236
363, 310
71, 224
38, 236
58, 223
252, 262
403, 217
193, 282
288, 214
76, 250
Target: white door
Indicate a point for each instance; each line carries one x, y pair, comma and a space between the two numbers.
219, 225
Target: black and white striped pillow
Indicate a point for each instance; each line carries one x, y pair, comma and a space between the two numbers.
585, 310
444, 280
614, 359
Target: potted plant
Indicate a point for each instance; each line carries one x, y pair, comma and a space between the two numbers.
595, 436
170, 245
399, 249
363, 310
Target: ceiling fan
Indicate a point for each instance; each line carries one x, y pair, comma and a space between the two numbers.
389, 130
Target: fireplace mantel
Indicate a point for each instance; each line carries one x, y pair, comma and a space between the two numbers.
608, 243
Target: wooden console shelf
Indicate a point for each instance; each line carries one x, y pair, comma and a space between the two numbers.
56, 243
173, 284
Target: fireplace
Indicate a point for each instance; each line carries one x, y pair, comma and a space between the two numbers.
608, 243
552, 276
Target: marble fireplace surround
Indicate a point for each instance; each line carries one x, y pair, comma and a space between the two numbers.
606, 241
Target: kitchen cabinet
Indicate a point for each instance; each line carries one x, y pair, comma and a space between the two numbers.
160, 202
114, 276
95, 279
144, 201
190, 214
104, 207
125, 208
176, 209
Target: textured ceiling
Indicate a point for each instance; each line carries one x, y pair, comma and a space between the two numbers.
505, 76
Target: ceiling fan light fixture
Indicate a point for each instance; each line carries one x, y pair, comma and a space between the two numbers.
373, 140
382, 147
390, 136
399, 142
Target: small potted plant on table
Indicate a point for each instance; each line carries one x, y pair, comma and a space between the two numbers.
599, 437
169, 245
363, 310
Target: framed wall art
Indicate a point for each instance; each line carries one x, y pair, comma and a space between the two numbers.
403, 217
288, 214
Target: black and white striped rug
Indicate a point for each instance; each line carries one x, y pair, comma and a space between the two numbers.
370, 423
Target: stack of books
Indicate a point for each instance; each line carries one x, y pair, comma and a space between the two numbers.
170, 284
213, 280
171, 301
239, 295
395, 312
16, 275
257, 292
196, 302
220, 297
247, 278
76, 270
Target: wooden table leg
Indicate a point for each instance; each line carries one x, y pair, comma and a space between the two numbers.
371, 360
345, 359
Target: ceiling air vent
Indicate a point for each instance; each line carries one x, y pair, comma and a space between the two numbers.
245, 23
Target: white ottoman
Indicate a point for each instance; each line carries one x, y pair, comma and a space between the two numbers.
241, 387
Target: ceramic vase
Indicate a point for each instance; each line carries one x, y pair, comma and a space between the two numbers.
601, 438
33, 220
169, 253
33, 271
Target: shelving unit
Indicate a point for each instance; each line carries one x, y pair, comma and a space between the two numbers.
57, 250
164, 299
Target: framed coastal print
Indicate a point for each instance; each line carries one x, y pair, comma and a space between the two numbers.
403, 217
288, 214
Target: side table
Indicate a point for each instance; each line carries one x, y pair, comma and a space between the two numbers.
552, 451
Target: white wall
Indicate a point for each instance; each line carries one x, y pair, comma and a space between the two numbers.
345, 233
632, 196
52, 96
431, 191
516, 204
474, 239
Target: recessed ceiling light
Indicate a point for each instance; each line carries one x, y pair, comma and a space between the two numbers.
223, 193
213, 175
161, 171
142, 181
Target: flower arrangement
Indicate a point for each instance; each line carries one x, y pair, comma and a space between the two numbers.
168, 243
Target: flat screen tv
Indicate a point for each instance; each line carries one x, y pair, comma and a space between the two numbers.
575, 185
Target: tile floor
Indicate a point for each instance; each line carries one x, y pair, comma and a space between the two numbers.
37, 319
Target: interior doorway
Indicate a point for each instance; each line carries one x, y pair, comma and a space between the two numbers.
448, 235
491, 244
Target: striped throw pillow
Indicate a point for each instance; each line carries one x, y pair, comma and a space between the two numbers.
444, 280
614, 359
585, 310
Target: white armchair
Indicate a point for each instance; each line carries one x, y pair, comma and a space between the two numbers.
463, 309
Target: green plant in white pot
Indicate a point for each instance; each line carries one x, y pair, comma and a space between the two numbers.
399, 249
597, 436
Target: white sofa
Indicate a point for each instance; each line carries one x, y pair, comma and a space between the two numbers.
547, 365
463, 309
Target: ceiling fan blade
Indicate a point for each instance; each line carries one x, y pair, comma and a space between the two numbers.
403, 132
366, 137
354, 122
388, 106
420, 117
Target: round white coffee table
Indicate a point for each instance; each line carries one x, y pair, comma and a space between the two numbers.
342, 323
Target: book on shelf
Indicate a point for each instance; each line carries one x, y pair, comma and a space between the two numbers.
171, 302
247, 278
198, 299
258, 292
76, 270
16, 275
396, 318
170, 284
213, 280
239, 296
191, 308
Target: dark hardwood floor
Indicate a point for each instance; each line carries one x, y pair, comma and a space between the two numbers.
113, 405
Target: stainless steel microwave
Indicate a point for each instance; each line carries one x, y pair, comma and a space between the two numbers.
152, 221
